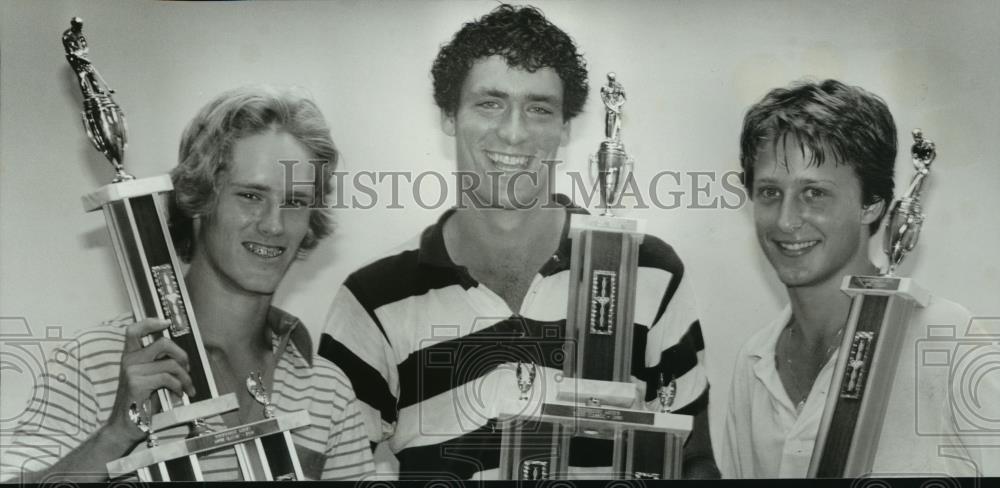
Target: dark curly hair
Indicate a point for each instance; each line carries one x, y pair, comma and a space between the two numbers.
834, 121
526, 39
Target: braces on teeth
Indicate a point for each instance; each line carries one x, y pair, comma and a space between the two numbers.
264, 252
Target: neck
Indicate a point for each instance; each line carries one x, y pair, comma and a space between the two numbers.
229, 320
820, 311
488, 232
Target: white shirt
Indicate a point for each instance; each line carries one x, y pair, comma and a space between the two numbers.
923, 433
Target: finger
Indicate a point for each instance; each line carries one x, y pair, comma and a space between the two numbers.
136, 331
140, 381
161, 348
147, 377
171, 367
186, 384
168, 381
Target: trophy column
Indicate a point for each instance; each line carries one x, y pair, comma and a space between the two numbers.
866, 364
601, 402
136, 218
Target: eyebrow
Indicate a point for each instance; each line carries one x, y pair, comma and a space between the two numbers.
767, 179
251, 186
299, 192
532, 97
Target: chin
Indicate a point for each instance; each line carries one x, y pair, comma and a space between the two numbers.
258, 285
264, 291
802, 278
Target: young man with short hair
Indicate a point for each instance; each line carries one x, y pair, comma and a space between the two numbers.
818, 161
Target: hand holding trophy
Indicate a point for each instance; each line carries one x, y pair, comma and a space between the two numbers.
136, 219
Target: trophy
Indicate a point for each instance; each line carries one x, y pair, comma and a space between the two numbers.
599, 400
135, 213
866, 364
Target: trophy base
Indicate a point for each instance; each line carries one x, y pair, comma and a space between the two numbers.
186, 414
536, 440
208, 442
598, 393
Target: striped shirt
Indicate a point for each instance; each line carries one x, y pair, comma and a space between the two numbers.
78, 389
432, 353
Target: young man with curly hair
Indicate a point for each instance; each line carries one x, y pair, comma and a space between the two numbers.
432, 334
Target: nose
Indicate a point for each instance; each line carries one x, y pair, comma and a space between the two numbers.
512, 128
790, 215
271, 221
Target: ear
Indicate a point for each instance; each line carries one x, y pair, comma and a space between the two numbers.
870, 213
448, 123
564, 138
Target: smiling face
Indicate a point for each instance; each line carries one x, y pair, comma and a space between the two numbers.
508, 122
810, 220
253, 233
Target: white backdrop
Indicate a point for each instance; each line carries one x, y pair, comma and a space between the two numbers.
690, 70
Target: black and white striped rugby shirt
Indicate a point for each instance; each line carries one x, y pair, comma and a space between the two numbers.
431, 352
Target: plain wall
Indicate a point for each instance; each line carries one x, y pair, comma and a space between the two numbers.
690, 71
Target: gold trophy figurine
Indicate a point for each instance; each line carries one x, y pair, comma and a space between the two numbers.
611, 163
905, 217
102, 118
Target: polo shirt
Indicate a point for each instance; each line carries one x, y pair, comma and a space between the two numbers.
80, 382
432, 353
766, 436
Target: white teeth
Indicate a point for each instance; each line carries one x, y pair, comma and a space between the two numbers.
796, 246
508, 162
264, 251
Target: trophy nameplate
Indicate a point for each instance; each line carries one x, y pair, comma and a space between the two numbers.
597, 399
135, 212
536, 446
873, 337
